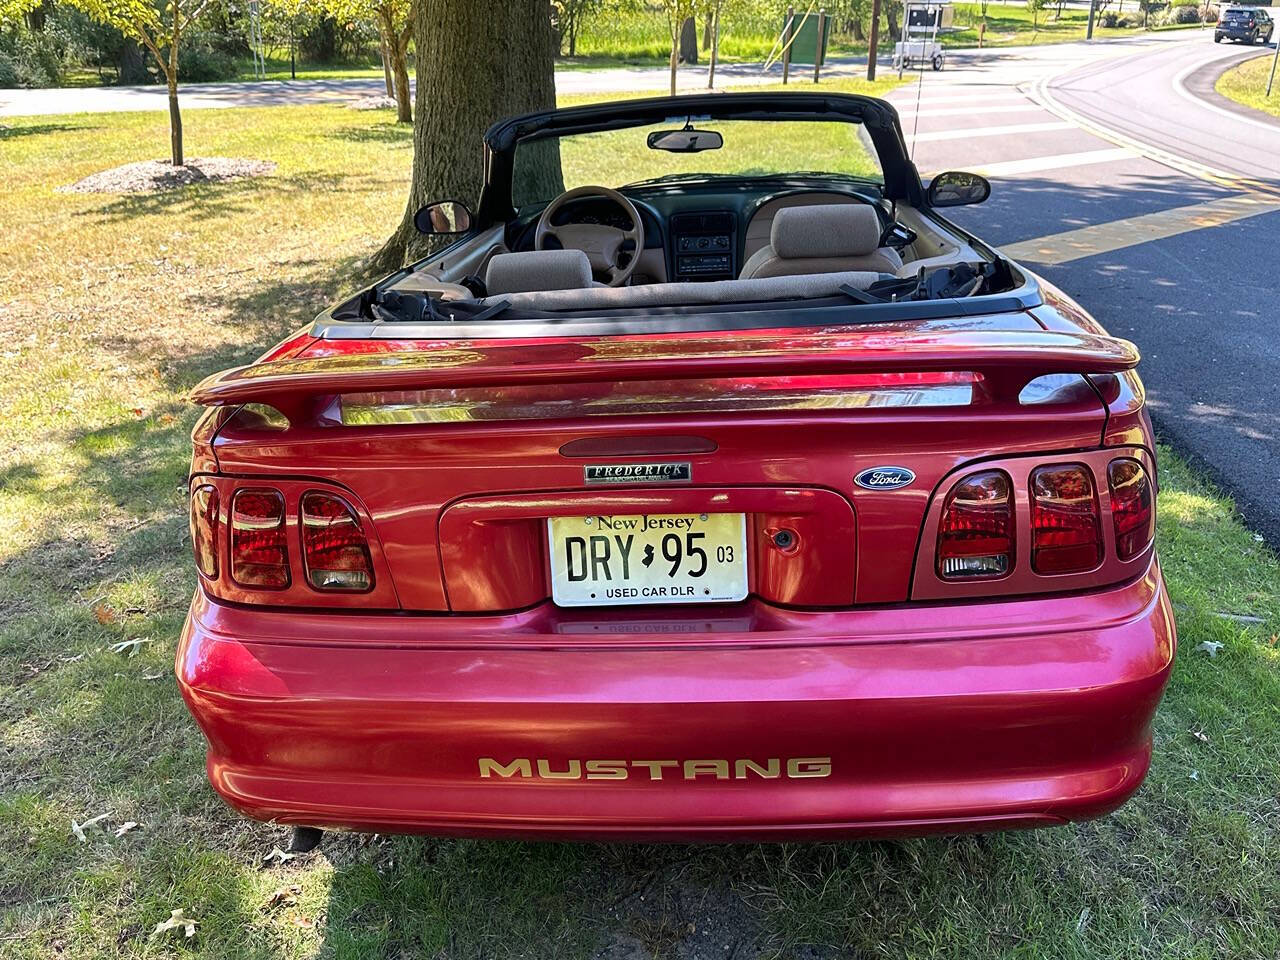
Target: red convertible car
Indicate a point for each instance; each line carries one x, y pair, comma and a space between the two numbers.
743, 497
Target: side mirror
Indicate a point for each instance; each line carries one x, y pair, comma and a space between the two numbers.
443, 218
956, 189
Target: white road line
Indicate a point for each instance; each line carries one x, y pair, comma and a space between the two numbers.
1004, 131
974, 109
1059, 161
1180, 87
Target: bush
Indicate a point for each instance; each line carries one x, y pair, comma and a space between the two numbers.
199, 62
29, 60
1186, 14
1110, 20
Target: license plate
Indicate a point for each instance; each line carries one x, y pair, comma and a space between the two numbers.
637, 558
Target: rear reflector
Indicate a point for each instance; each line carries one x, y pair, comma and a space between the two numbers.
335, 550
1066, 535
975, 537
204, 529
1131, 507
259, 553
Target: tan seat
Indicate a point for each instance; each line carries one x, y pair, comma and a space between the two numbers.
825, 238
538, 270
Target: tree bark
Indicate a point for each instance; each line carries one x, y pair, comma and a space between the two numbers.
463, 88
175, 124
386, 62
397, 47
713, 21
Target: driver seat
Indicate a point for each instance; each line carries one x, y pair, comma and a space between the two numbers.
823, 238
534, 270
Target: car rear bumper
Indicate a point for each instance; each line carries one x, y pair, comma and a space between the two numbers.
937, 718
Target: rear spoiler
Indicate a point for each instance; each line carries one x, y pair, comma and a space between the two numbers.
1005, 360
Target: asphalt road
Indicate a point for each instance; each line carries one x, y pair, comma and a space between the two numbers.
1166, 228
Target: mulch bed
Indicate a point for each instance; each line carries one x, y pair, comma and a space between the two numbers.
155, 176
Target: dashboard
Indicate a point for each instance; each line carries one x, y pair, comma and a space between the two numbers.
700, 231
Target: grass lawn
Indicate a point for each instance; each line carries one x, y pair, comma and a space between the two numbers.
1247, 83
111, 307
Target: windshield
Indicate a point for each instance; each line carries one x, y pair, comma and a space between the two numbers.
752, 148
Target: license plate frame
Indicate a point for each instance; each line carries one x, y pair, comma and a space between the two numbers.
724, 578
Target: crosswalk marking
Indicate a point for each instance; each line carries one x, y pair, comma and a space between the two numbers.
973, 110
1133, 231
1058, 161
1002, 131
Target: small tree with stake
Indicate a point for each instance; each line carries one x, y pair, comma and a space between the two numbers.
395, 28
158, 26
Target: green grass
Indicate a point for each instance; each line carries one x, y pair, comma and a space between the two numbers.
110, 308
1246, 83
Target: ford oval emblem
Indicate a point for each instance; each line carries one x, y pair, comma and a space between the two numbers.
884, 478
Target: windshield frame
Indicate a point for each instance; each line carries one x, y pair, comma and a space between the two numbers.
878, 118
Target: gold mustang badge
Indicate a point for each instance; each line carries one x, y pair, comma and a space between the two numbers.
540, 769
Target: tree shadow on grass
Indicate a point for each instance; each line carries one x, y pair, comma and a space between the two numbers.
381, 133
205, 201
36, 129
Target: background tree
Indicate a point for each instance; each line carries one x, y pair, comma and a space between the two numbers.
569, 15
1035, 6
159, 27
394, 19
12, 11
463, 88
678, 11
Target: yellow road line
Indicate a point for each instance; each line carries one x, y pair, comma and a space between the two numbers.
1134, 231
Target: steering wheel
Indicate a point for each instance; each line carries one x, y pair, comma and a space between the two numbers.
600, 242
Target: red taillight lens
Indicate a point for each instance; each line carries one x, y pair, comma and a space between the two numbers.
1066, 535
1132, 507
975, 537
259, 552
334, 548
204, 529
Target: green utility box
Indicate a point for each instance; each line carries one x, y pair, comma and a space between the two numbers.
805, 47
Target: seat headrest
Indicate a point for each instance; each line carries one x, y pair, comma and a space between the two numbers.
537, 270
825, 230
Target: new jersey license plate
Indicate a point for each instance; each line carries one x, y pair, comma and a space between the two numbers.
639, 558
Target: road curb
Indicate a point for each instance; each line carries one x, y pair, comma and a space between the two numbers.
1197, 83
1041, 92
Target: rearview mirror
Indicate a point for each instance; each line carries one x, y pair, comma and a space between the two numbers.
443, 218
955, 189
686, 140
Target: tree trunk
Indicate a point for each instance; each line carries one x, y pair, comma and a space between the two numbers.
708, 32
175, 123
396, 47
675, 54
386, 63
573, 37
713, 21
891, 15
462, 90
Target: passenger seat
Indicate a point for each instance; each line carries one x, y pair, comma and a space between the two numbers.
537, 270
825, 238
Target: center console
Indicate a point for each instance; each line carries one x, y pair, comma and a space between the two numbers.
703, 245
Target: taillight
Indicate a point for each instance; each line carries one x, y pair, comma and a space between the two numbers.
975, 537
204, 529
259, 551
1132, 507
1066, 534
335, 550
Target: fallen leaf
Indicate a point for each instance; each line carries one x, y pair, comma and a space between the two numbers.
104, 614
167, 418
1275, 638
153, 676
282, 897
278, 856
1200, 735
129, 647
177, 921
305, 922
79, 828
1211, 647
126, 827
1194, 775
